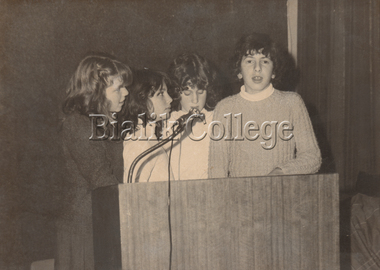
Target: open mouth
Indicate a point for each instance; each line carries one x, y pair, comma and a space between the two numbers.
257, 79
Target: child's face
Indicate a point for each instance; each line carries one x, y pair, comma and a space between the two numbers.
256, 71
116, 93
193, 98
161, 101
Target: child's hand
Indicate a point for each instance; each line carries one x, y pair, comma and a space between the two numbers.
276, 171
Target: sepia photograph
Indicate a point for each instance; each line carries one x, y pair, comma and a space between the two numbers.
190, 134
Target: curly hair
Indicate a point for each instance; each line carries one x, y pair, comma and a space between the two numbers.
146, 83
284, 66
189, 70
86, 89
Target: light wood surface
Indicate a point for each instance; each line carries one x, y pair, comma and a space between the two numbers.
279, 222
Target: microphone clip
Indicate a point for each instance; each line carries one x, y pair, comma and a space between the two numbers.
182, 122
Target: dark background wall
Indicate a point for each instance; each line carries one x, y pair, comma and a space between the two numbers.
41, 44
339, 59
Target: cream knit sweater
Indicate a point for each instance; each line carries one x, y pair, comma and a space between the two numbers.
153, 167
189, 158
258, 151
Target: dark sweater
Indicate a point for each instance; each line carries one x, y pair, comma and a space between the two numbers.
90, 164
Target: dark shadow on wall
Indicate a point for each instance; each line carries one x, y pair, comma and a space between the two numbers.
329, 166
328, 162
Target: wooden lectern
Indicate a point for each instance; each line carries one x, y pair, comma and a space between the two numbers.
280, 222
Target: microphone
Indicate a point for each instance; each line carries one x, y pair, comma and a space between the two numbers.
181, 122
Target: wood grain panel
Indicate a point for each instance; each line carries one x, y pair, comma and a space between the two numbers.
281, 222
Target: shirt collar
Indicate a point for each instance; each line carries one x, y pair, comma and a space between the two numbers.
267, 92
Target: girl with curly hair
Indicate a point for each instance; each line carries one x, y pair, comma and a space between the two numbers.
148, 105
195, 81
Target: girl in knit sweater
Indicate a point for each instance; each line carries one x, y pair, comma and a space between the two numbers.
267, 131
194, 79
148, 103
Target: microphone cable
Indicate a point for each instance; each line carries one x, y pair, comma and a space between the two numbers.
169, 198
182, 122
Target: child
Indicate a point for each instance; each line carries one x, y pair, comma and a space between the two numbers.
97, 87
149, 102
278, 136
195, 85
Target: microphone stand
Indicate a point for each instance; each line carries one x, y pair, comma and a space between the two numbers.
182, 120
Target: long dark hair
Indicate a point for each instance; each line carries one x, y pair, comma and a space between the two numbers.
146, 83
